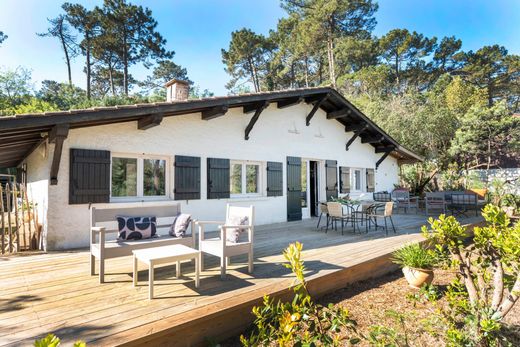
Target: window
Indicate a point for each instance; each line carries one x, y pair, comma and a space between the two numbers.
244, 178
304, 184
344, 178
138, 177
357, 180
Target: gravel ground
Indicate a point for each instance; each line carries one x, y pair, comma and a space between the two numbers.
369, 301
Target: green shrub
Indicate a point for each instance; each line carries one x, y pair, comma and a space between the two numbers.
52, 340
415, 255
300, 322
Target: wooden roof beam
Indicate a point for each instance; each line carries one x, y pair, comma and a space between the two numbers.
289, 102
344, 112
355, 136
384, 149
149, 121
215, 112
252, 122
383, 157
315, 108
250, 108
355, 127
57, 135
372, 139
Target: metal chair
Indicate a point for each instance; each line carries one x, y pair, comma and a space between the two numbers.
435, 201
403, 200
323, 211
337, 213
373, 213
462, 203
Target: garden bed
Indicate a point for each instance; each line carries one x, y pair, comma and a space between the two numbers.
368, 303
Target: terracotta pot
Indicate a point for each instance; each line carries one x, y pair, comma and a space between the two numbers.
417, 277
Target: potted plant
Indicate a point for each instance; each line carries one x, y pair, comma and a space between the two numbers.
417, 263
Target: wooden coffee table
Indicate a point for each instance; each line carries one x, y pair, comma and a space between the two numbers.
163, 255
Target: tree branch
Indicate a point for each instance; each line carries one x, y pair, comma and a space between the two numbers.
498, 284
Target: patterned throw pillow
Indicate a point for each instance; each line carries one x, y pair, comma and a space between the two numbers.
233, 234
180, 225
136, 228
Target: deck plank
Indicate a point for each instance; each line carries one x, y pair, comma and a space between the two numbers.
54, 292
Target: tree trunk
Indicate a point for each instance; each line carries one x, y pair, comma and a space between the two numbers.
330, 52
254, 77
65, 50
87, 53
125, 65
468, 281
306, 71
397, 69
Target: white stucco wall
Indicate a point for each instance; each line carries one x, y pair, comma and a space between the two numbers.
277, 134
38, 170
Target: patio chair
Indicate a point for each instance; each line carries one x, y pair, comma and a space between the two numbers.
337, 213
435, 201
403, 200
323, 211
238, 220
382, 197
380, 211
462, 203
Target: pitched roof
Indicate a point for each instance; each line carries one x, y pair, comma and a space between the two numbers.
20, 134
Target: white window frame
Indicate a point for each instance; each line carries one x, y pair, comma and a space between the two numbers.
353, 180
260, 179
140, 177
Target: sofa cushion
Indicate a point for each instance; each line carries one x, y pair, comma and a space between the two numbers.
180, 225
136, 228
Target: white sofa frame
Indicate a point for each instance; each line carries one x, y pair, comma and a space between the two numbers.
103, 221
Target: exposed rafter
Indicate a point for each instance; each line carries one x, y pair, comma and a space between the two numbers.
383, 157
384, 149
355, 127
32, 149
344, 112
317, 105
217, 111
255, 106
372, 139
57, 135
289, 102
355, 136
259, 109
150, 121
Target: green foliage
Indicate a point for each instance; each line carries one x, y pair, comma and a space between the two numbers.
415, 255
300, 322
52, 340
488, 281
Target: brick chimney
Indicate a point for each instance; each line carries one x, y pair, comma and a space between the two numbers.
177, 90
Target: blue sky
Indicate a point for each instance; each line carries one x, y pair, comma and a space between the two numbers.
197, 30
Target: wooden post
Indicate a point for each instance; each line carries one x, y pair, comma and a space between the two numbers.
2, 211
17, 225
20, 192
9, 226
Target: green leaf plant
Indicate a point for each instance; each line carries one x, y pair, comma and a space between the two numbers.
488, 276
300, 322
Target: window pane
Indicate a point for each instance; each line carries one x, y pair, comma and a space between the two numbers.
251, 178
235, 179
124, 177
357, 177
304, 184
154, 180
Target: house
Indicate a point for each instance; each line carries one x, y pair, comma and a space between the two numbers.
281, 151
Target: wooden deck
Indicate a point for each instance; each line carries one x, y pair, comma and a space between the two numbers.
54, 292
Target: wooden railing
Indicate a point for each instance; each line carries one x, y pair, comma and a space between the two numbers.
19, 227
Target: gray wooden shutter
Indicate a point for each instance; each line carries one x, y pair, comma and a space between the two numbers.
294, 188
331, 178
89, 180
371, 182
187, 178
344, 179
218, 178
274, 178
